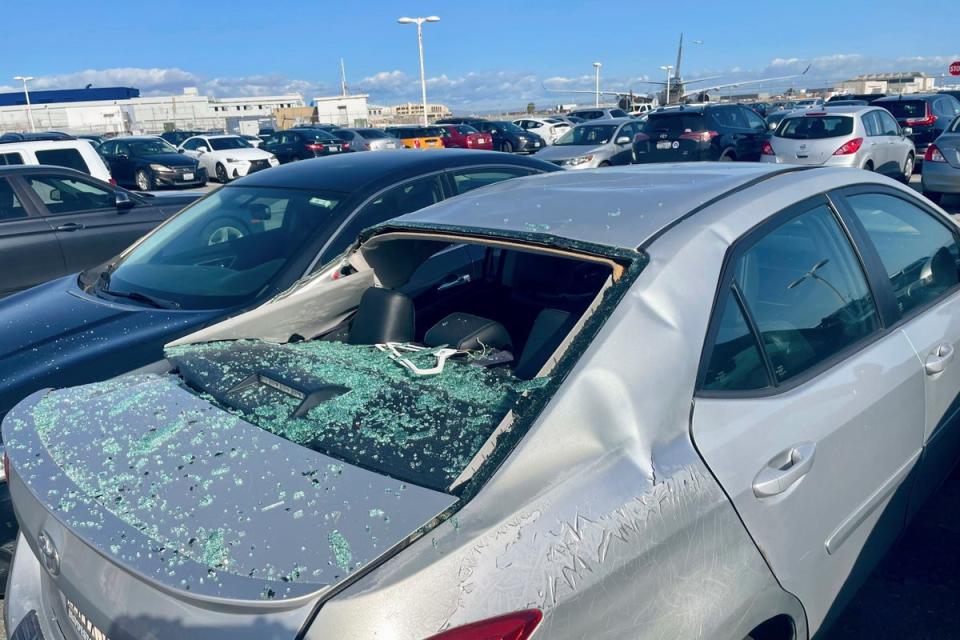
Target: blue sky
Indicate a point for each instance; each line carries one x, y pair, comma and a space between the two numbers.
481, 55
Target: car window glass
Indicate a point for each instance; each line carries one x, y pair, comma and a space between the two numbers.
69, 195
107, 148
123, 149
735, 361
753, 120
11, 158
871, 123
69, 158
919, 253
806, 291
191, 144
10, 207
888, 126
725, 116
469, 179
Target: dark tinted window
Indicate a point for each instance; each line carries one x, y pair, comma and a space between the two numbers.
919, 253
222, 144
465, 129
807, 293
10, 207
11, 158
69, 195
871, 123
618, 113
754, 121
815, 127
675, 123
372, 134
888, 126
735, 362
905, 108
149, 147
469, 179
63, 158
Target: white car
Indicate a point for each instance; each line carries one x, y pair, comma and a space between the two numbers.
550, 129
74, 154
227, 157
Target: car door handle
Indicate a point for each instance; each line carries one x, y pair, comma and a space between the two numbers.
70, 226
456, 282
784, 470
938, 359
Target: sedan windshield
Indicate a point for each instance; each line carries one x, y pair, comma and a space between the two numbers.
509, 126
150, 147
225, 249
815, 127
588, 134
222, 144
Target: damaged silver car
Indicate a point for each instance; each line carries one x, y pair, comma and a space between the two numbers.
661, 402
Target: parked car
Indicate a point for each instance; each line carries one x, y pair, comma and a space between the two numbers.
955, 93
550, 129
463, 136
869, 97
176, 138
55, 221
282, 475
73, 154
508, 137
847, 103
470, 120
598, 143
926, 115
13, 136
227, 157
254, 141
688, 133
941, 164
368, 139
774, 117
862, 137
598, 113
149, 162
414, 137
299, 144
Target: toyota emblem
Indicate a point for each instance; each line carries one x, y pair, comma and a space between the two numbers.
49, 555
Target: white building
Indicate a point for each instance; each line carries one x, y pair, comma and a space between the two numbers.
889, 83
346, 111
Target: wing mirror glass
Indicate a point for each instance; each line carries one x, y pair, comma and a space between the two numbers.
123, 200
623, 140
906, 131
55, 195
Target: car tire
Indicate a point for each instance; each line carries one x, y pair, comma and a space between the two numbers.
604, 164
223, 230
506, 147
727, 156
143, 180
933, 196
6, 560
222, 176
868, 166
908, 167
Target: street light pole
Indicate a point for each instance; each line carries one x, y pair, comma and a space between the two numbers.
597, 65
423, 78
668, 68
26, 93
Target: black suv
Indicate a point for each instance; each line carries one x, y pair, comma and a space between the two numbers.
301, 143
928, 115
701, 132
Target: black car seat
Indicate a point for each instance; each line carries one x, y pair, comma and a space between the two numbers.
468, 332
383, 315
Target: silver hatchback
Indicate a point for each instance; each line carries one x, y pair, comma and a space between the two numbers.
862, 137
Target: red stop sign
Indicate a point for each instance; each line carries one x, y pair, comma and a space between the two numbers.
955, 68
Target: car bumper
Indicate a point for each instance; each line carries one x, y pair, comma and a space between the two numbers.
940, 177
176, 179
529, 146
240, 169
23, 604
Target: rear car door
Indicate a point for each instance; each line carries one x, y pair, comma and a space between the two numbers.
919, 253
623, 151
809, 410
88, 223
757, 132
893, 152
29, 251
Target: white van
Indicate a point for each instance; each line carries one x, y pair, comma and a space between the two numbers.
75, 154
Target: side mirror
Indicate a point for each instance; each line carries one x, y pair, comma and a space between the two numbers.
201, 150
55, 195
123, 200
906, 131
623, 140
772, 126
181, 150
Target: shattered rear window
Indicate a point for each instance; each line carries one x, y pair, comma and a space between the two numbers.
356, 404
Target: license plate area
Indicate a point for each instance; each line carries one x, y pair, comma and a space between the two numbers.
188, 176
664, 144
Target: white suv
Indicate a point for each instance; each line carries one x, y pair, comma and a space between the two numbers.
75, 154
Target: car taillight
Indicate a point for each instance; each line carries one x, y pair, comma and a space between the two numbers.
933, 154
927, 119
850, 146
699, 136
113, 182
345, 146
641, 137
314, 147
519, 625
767, 149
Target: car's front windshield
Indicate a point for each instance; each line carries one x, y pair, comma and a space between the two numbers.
150, 147
588, 134
225, 249
510, 127
222, 144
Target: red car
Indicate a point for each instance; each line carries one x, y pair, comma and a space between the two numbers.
463, 136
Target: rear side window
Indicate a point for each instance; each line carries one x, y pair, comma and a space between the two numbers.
372, 134
618, 113
10, 207
806, 293
470, 179
675, 124
70, 158
68, 195
735, 362
815, 127
919, 254
11, 158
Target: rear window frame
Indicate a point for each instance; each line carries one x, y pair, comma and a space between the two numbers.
801, 117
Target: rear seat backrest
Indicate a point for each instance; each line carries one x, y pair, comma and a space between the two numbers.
383, 315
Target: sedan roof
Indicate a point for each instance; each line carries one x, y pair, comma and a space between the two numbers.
619, 207
351, 171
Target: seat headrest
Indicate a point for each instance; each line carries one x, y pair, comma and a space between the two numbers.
468, 333
383, 315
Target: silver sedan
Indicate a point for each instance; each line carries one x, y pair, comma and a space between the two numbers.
941, 164
368, 139
672, 401
597, 143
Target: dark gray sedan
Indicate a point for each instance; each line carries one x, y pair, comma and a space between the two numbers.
55, 221
941, 164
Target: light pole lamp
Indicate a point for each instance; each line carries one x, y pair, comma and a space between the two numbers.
597, 65
668, 68
423, 78
26, 94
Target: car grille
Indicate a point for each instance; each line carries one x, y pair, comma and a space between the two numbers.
258, 165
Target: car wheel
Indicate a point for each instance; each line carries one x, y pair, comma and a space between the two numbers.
868, 166
506, 147
933, 196
143, 180
222, 174
6, 559
907, 169
726, 156
604, 164
223, 230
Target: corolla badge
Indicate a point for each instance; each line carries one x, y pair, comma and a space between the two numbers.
49, 555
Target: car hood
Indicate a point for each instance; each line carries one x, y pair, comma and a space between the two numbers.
555, 153
244, 154
55, 334
169, 159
